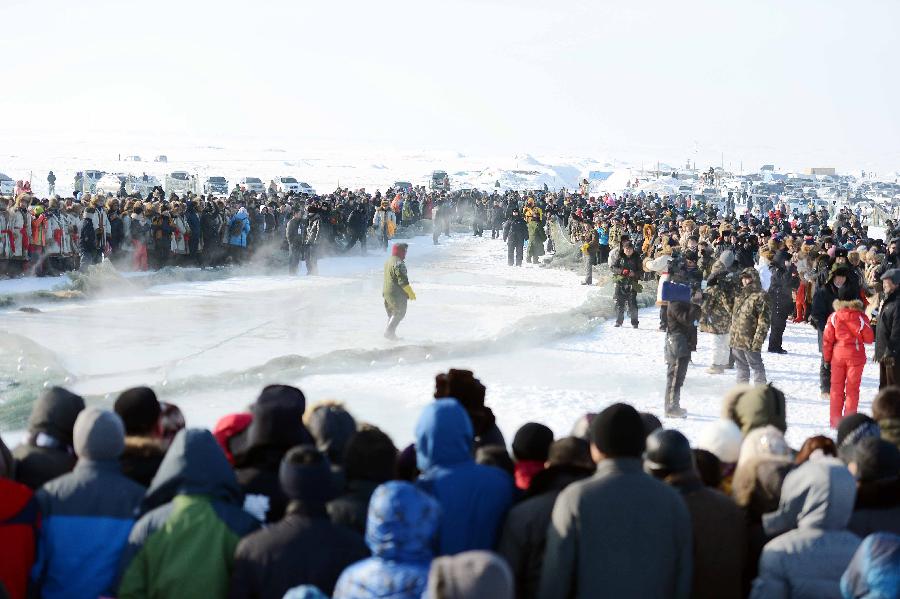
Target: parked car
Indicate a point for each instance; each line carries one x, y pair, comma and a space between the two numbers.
134, 158
180, 182
161, 158
287, 185
215, 186
87, 180
7, 185
306, 189
253, 184
440, 181
403, 186
111, 183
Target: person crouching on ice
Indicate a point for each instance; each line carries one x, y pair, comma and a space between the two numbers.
397, 290
844, 347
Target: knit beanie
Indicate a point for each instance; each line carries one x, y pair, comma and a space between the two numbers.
305, 476
532, 442
98, 435
139, 410
851, 430
618, 431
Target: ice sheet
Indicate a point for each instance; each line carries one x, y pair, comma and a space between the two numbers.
528, 333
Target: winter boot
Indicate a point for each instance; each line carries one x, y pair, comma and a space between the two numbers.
715, 369
674, 411
618, 324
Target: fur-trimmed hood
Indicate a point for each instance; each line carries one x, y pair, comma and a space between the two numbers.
851, 304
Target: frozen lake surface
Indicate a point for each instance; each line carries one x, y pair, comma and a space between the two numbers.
534, 336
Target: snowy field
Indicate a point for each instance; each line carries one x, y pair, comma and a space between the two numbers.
536, 338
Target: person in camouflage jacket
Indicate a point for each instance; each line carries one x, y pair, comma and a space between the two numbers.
718, 303
750, 322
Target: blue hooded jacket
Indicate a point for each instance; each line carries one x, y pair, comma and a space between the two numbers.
473, 498
239, 240
87, 516
400, 530
874, 571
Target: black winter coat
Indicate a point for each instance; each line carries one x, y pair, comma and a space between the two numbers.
720, 539
681, 332
141, 459
631, 263
877, 508
823, 299
352, 508
887, 333
48, 452
209, 228
258, 476
515, 231
524, 535
300, 549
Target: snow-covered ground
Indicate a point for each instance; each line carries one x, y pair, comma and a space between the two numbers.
534, 336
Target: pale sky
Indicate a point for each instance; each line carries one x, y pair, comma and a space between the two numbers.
786, 78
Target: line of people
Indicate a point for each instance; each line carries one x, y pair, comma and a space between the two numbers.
290, 500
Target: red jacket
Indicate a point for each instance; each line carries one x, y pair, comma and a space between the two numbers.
847, 333
19, 520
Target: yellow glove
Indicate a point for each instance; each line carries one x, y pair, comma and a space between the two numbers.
409, 292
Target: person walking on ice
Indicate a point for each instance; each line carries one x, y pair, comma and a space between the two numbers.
397, 290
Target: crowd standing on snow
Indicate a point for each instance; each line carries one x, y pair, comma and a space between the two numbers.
739, 273
289, 500
46, 236
745, 270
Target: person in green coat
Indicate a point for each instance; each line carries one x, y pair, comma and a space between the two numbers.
536, 239
397, 290
183, 546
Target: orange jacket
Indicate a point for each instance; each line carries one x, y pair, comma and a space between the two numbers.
39, 228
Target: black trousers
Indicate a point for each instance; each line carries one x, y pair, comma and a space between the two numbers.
295, 254
781, 309
515, 251
359, 236
675, 374
824, 370
888, 376
626, 298
603, 254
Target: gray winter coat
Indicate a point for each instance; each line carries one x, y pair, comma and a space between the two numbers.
808, 560
620, 533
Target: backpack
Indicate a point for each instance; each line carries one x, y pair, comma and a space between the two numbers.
236, 228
